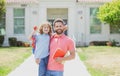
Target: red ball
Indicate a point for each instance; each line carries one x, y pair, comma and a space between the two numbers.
35, 28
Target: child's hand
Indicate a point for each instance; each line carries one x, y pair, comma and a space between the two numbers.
35, 28
37, 61
65, 28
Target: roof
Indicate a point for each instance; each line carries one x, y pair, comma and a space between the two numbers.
93, 1
36, 1
22, 1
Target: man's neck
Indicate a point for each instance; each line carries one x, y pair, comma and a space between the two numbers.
59, 34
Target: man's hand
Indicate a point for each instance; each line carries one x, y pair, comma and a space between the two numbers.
37, 61
65, 58
59, 59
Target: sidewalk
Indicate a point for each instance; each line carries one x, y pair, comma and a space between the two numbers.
72, 68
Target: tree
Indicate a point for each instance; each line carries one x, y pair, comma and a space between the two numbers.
2, 11
2, 8
110, 13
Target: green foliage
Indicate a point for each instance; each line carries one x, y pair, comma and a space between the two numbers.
1, 40
82, 55
95, 72
110, 13
12, 41
2, 8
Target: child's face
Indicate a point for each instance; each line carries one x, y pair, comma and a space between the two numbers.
46, 29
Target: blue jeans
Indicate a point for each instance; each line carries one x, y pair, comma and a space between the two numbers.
54, 73
43, 66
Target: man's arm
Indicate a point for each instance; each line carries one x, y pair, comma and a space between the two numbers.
71, 50
69, 57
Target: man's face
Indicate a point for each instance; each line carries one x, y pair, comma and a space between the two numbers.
58, 27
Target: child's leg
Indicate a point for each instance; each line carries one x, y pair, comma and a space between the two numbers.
33, 50
46, 63
43, 66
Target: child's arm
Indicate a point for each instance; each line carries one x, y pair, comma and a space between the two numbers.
65, 28
33, 32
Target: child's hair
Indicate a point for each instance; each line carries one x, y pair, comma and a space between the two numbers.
42, 25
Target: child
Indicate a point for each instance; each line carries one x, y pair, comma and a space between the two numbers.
41, 50
33, 40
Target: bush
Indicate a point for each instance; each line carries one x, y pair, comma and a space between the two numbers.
26, 44
98, 43
19, 43
114, 42
12, 41
1, 40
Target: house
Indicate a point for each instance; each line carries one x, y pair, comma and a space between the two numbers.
79, 15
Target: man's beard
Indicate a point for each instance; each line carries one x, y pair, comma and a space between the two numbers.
59, 31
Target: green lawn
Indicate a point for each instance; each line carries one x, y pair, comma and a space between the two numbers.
11, 57
101, 60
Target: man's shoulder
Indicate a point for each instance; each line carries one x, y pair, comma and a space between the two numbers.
69, 38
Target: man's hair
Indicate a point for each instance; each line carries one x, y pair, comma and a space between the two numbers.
58, 20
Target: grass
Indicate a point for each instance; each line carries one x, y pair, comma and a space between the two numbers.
11, 57
101, 60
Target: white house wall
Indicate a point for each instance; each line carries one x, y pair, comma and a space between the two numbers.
31, 19
105, 32
81, 25
9, 27
71, 13
115, 37
83, 21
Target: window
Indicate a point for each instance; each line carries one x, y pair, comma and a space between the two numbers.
95, 24
114, 29
19, 21
2, 25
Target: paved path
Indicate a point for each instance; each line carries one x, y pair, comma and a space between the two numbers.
72, 68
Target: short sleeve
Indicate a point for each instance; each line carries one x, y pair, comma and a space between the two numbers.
71, 45
35, 36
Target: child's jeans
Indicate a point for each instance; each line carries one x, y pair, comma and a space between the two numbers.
43, 66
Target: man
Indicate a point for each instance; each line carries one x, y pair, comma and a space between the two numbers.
61, 41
